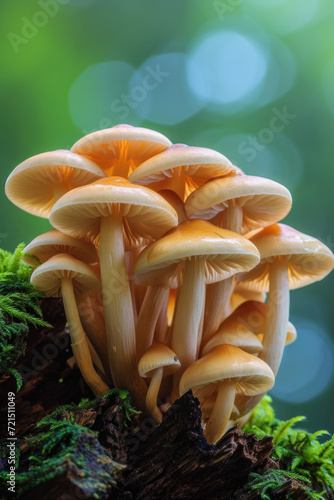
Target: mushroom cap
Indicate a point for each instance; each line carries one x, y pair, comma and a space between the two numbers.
158, 355
236, 334
227, 362
53, 242
308, 259
47, 277
263, 201
32, 184
147, 214
191, 166
224, 253
122, 143
243, 294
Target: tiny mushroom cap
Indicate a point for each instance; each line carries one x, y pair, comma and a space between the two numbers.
235, 333
37, 183
197, 253
289, 259
157, 361
119, 216
64, 275
53, 242
48, 276
240, 295
120, 149
230, 370
252, 315
260, 202
182, 169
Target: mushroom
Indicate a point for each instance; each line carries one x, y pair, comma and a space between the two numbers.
64, 275
252, 315
54, 242
236, 334
182, 169
37, 183
228, 370
157, 361
201, 253
120, 149
289, 259
241, 204
119, 215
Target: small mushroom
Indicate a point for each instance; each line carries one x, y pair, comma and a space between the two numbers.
120, 149
65, 276
182, 169
228, 370
158, 361
37, 183
236, 334
289, 259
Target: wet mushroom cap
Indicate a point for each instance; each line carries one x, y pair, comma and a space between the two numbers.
183, 167
225, 253
158, 355
226, 362
263, 201
54, 242
147, 214
47, 277
308, 259
37, 183
121, 144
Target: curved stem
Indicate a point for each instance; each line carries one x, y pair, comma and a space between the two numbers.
277, 318
152, 395
186, 331
161, 330
118, 310
148, 317
79, 341
221, 412
217, 296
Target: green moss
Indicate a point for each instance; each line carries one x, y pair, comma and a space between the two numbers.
69, 452
299, 452
19, 309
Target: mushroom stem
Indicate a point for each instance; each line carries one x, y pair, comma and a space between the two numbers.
79, 341
217, 296
161, 330
221, 412
152, 395
277, 318
186, 332
148, 317
118, 309
231, 218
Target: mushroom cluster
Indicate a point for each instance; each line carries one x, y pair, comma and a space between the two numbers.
164, 255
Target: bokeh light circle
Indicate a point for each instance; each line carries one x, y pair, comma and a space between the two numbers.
307, 365
227, 67
99, 97
160, 89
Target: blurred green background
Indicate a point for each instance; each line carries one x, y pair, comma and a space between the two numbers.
252, 79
